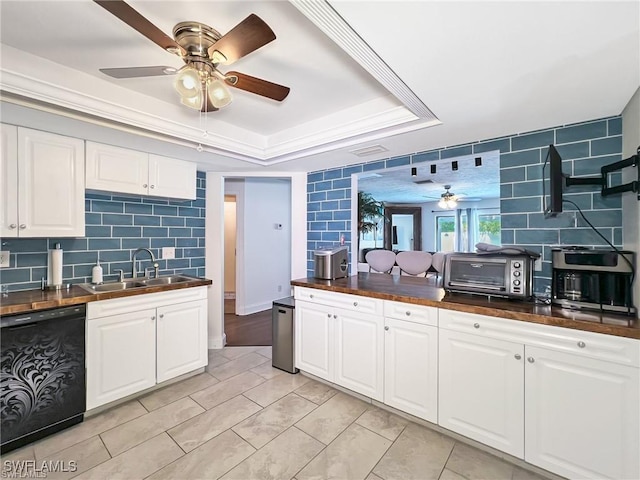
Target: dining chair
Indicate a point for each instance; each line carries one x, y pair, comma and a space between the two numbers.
413, 262
381, 261
437, 262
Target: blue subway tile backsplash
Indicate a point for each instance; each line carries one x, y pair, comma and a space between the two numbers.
584, 147
115, 226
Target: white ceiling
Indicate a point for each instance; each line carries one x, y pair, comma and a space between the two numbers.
485, 69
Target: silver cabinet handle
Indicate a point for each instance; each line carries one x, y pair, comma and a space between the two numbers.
153, 186
144, 185
581, 344
408, 313
335, 316
162, 315
386, 328
12, 226
22, 226
476, 325
153, 318
328, 315
355, 304
531, 359
517, 356
311, 296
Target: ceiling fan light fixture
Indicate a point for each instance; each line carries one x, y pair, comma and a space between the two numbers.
218, 93
188, 83
448, 203
194, 102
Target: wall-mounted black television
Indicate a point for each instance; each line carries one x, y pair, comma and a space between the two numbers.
553, 206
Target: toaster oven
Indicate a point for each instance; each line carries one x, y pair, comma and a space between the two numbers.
501, 275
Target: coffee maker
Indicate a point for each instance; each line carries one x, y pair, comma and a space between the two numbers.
593, 279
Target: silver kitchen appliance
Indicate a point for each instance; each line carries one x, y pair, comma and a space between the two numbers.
330, 263
282, 334
593, 279
496, 274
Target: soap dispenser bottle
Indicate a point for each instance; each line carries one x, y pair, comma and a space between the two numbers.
96, 273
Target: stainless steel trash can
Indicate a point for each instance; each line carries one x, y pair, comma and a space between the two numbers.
282, 330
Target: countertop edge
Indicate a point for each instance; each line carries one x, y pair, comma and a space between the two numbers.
474, 305
33, 300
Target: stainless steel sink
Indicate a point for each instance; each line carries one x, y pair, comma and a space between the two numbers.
112, 286
134, 283
168, 280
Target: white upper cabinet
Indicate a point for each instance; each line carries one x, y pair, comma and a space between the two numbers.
121, 170
172, 178
42, 184
116, 169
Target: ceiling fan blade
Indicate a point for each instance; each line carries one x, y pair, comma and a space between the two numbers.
133, 72
257, 86
131, 17
246, 37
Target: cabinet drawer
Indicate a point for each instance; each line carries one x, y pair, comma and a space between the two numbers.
411, 313
115, 306
354, 303
625, 351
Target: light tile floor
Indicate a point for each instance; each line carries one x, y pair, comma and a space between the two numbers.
242, 419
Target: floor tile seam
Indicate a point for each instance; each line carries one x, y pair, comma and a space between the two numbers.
378, 434
324, 447
180, 398
240, 356
383, 455
164, 429
220, 380
444, 467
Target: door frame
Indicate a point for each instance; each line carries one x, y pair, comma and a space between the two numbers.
416, 212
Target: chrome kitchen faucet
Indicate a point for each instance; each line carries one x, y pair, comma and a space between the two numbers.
134, 270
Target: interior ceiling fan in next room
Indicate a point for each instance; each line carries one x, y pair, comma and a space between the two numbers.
199, 82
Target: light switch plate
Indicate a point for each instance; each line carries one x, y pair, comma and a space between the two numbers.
4, 259
168, 252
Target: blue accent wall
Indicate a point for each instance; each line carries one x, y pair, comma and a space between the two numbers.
115, 226
584, 148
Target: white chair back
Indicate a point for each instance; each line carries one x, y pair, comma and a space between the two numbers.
381, 261
413, 262
437, 262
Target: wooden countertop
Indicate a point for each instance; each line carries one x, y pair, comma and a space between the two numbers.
31, 300
424, 291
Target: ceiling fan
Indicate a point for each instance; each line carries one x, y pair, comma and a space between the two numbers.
199, 82
449, 200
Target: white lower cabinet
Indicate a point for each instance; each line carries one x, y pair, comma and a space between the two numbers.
359, 347
582, 415
339, 338
133, 343
482, 390
121, 356
411, 368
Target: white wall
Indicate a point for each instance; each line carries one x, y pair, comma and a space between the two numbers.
630, 202
429, 218
267, 249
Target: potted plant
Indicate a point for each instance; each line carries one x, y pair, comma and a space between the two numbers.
369, 213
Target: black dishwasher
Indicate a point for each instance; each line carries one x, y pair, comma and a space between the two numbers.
42, 375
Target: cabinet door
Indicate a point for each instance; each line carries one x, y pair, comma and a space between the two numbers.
182, 339
9, 181
51, 185
582, 415
411, 368
172, 178
481, 389
115, 169
313, 333
359, 361
121, 356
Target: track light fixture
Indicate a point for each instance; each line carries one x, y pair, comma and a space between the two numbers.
414, 172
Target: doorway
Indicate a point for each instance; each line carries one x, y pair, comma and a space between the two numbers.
230, 229
403, 228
